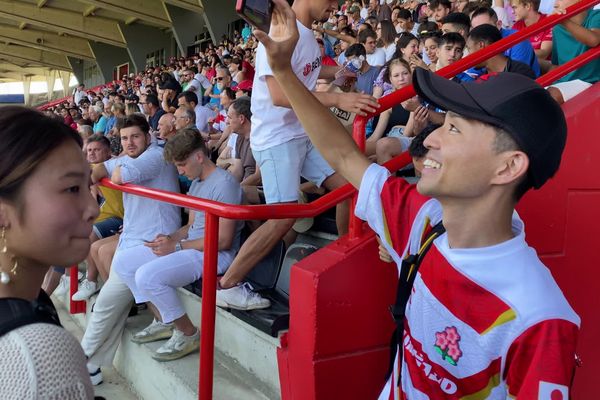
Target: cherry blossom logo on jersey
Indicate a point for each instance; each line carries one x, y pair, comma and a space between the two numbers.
446, 343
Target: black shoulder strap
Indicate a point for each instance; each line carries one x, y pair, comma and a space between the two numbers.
15, 313
408, 272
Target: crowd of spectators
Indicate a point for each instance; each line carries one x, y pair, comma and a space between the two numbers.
220, 120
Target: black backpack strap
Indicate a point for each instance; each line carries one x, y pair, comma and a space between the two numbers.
15, 313
408, 272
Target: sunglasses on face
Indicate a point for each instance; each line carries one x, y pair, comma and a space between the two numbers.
220, 78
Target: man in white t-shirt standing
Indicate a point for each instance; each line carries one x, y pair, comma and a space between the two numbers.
283, 151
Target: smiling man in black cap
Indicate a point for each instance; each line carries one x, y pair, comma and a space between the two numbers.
485, 317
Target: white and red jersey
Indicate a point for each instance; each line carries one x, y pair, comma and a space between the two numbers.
481, 323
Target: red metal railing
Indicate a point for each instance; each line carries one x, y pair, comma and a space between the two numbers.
214, 210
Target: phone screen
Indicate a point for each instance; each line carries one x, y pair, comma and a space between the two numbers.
256, 13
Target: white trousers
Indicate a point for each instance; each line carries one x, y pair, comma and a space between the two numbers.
107, 321
156, 279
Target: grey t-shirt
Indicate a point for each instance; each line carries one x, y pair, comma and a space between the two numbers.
219, 186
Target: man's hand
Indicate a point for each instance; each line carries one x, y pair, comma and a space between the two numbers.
421, 118
162, 245
384, 255
283, 37
358, 103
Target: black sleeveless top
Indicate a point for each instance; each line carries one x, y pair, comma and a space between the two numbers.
399, 116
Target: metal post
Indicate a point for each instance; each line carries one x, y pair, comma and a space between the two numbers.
209, 289
75, 307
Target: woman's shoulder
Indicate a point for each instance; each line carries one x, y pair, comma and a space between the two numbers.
39, 359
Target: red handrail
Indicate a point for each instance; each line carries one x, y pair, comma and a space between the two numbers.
214, 209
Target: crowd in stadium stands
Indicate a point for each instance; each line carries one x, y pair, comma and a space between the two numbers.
220, 120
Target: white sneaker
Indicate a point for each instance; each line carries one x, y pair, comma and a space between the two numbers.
95, 374
241, 297
153, 332
64, 284
63, 287
178, 346
86, 290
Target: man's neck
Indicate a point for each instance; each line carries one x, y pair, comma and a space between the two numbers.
153, 111
365, 67
245, 131
207, 169
497, 63
302, 10
531, 18
478, 223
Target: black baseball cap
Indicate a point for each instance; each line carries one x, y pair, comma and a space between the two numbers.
512, 102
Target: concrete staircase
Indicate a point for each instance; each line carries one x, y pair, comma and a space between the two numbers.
245, 359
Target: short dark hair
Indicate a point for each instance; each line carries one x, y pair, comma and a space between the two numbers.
417, 149
355, 50
152, 99
100, 139
365, 34
489, 11
535, 4
485, 33
433, 4
190, 97
453, 38
404, 14
242, 106
185, 142
459, 20
137, 120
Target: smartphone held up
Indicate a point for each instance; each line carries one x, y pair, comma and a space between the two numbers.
257, 12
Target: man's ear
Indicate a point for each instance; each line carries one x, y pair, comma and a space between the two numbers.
512, 166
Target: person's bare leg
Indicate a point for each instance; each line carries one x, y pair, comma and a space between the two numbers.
342, 216
51, 281
155, 311
387, 148
92, 270
106, 251
184, 325
254, 249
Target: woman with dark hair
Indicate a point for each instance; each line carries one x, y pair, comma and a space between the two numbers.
386, 36
46, 217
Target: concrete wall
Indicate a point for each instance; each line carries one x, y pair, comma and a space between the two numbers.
107, 58
144, 39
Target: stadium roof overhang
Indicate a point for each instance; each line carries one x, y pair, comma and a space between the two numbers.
39, 37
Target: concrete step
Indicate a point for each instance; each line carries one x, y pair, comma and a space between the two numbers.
245, 359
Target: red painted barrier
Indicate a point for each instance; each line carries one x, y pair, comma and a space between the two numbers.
561, 223
339, 324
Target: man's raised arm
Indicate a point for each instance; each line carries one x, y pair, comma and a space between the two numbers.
323, 128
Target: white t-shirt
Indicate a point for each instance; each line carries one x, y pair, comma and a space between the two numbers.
377, 59
196, 87
389, 51
273, 125
203, 114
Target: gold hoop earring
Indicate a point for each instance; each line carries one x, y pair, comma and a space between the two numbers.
5, 277
4, 249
